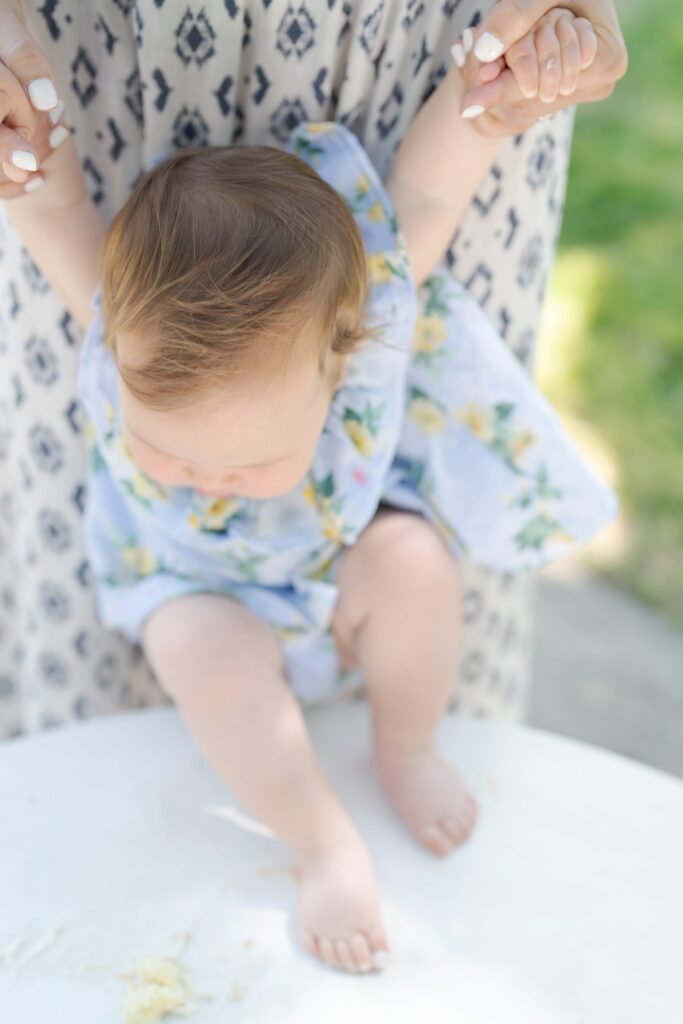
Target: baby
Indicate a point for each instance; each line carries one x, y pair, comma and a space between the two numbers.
285, 460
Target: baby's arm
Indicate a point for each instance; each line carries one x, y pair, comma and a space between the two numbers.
437, 169
62, 230
443, 157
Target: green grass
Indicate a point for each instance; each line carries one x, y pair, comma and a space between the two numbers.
612, 345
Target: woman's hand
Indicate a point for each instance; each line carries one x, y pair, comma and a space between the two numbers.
28, 133
524, 89
546, 62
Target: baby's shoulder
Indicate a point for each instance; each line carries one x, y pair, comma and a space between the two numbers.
340, 159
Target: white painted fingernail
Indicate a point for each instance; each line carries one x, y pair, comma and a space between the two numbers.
488, 47
57, 112
24, 160
458, 55
382, 959
467, 40
57, 135
42, 94
473, 111
33, 183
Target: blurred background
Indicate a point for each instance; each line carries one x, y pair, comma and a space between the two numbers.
609, 661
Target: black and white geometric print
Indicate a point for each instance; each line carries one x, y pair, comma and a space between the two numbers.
141, 77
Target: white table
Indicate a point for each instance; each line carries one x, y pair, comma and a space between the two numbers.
566, 905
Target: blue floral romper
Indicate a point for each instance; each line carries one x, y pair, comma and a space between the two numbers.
435, 416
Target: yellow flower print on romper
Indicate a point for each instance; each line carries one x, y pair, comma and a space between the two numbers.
309, 493
142, 487
520, 443
379, 270
477, 419
426, 413
363, 426
140, 559
430, 334
328, 507
138, 484
360, 435
331, 522
376, 213
362, 186
215, 515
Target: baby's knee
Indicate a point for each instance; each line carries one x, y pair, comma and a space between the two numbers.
205, 640
410, 554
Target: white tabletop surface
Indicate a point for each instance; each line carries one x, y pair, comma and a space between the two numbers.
565, 906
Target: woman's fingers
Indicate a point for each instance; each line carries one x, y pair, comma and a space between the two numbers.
588, 42
26, 89
503, 92
513, 116
15, 109
549, 63
507, 22
17, 155
571, 55
10, 189
548, 60
46, 138
23, 57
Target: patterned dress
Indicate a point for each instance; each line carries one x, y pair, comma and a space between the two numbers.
140, 78
434, 416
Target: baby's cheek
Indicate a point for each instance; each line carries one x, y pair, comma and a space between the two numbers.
159, 469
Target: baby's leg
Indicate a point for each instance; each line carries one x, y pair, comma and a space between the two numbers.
222, 666
398, 620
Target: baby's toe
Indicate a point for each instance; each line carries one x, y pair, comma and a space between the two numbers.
379, 946
437, 840
468, 817
309, 942
344, 957
467, 830
455, 829
327, 952
472, 806
362, 953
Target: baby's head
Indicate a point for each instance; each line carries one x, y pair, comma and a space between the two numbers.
233, 290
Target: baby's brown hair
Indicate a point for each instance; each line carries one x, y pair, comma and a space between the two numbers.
225, 263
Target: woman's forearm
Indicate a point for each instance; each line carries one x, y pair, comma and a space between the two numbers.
62, 230
436, 171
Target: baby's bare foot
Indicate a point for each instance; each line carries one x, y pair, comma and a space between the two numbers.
340, 913
429, 795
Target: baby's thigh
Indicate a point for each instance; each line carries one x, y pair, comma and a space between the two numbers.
397, 561
204, 640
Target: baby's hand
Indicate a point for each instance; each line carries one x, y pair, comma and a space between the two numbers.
547, 62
